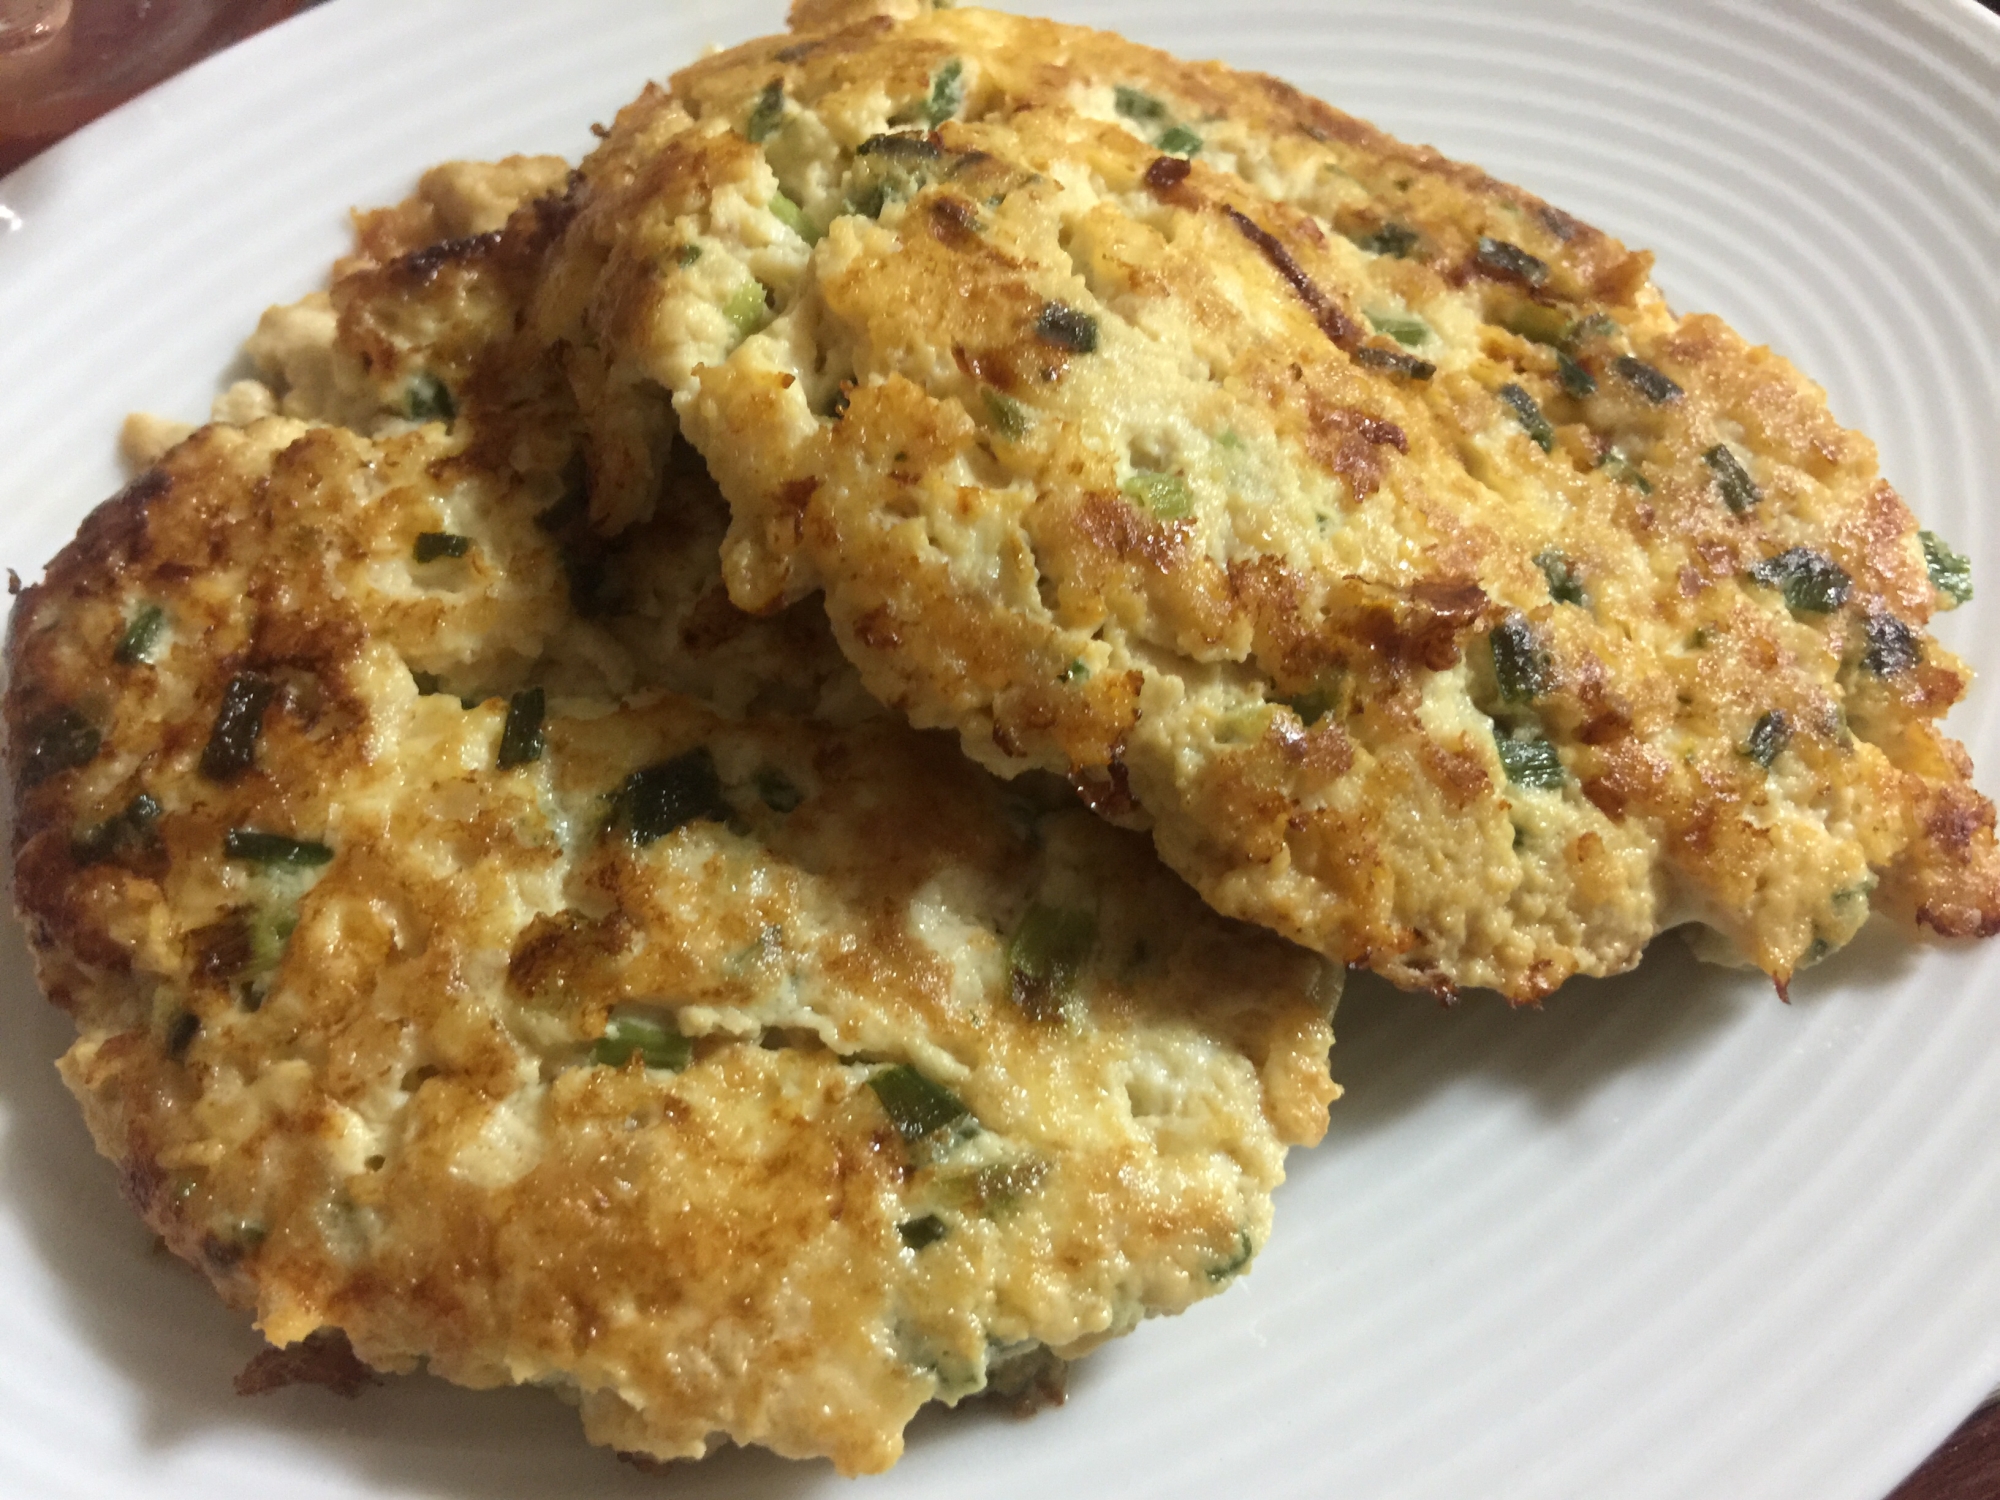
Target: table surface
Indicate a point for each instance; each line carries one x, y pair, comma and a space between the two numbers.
1965, 1467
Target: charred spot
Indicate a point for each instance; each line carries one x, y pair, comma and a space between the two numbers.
1167, 173
1958, 817
181, 1032
223, 949
1607, 797
1564, 227
1111, 525
421, 267
954, 223
1346, 441
564, 951
878, 630
793, 497
60, 740
1893, 648
323, 1358
1106, 790
1424, 627
1333, 322
903, 146
1500, 260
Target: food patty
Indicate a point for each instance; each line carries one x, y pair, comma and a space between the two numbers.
1368, 529
491, 945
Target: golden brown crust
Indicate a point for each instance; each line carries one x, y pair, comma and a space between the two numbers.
1321, 418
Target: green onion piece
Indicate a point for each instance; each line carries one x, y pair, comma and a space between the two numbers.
1893, 648
916, 1106
1066, 328
1533, 321
232, 743
1768, 738
1048, 952
521, 737
1739, 490
657, 1044
1529, 414
689, 254
1565, 582
1165, 495
1135, 105
747, 307
777, 791
1395, 360
258, 848
1950, 570
1223, 1270
998, 1186
794, 218
1621, 468
130, 830
181, 1032
947, 94
431, 545
1404, 328
426, 399
1812, 582
58, 741
662, 798
1179, 141
1578, 381
767, 114
1009, 417
920, 1233
141, 636
1596, 326
1646, 380
1076, 671
1313, 705
1531, 763
1392, 239
1510, 262
1520, 666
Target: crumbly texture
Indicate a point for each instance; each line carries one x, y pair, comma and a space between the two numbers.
708, 1046
1369, 529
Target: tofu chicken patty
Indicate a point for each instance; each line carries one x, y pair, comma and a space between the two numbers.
1368, 529
503, 952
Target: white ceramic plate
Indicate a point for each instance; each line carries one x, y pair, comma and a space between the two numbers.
1667, 1238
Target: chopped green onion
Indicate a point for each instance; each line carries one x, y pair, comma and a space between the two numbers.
1893, 648
1536, 322
947, 94
1578, 381
921, 1233
1222, 1271
129, 830
60, 740
657, 1044
426, 399
431, 545
1395, 360
1768, 738
1405, 328
998, 1186
1135, 105
1048, 952
1812, 582
1950, 570
747, 307
1313, 705
1529, 415
1646, 380
1066, 328
1511, 262
1076, 671
1596, 326
662, 798
794, 218
689, 254
232, 743
1165, 495
521, 736
1621, 468
1565, 582
1009, 417
767, 114
141, 636
181, 1032
1392, 239
776, 790
1739, 490
915, 1105
1179, 141
1531, 763
1520, 666
258, 848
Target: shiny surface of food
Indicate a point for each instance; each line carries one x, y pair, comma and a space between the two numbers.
492, 945
1369, 529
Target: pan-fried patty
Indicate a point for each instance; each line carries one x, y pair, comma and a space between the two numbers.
745, 1065
1369, 529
